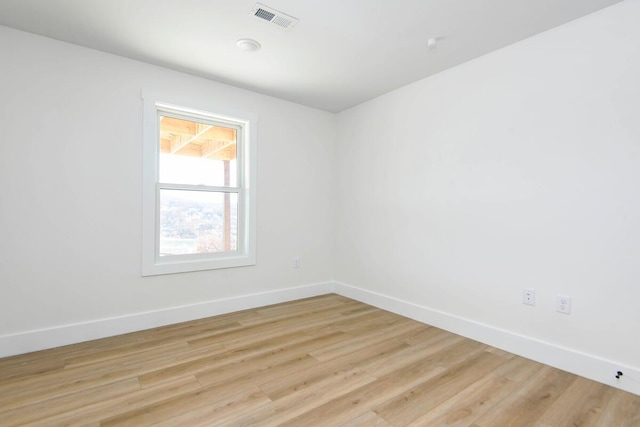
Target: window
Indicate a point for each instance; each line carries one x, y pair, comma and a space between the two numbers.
199, 192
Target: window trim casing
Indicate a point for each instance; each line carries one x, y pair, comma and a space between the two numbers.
199, 108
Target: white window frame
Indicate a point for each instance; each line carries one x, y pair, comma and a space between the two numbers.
197, 109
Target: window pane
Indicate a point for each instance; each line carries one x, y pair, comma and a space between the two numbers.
197, 153
193, 222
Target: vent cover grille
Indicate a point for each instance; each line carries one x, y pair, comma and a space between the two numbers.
269, 14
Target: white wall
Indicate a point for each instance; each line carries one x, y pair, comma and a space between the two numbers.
518, 169
70, 170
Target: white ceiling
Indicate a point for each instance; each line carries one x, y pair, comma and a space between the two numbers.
341, 53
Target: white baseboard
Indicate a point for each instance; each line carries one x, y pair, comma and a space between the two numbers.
579, 363
57, 336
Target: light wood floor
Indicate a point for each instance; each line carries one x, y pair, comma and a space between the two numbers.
324, 361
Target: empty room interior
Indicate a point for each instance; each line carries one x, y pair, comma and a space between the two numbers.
336, 213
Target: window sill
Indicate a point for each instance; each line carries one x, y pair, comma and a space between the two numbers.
173, 266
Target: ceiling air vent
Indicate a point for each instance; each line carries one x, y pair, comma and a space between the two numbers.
275, 17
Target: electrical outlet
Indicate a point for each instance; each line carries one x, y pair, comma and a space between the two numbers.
529, 296
563, 304
296, 262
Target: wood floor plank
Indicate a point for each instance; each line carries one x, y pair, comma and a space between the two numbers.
434, 354
332, 387
220, 358
76, 379
272, 328
321, 361
519, 369
211, 398
364, 339
133, 349
307, 305
428, 334
580, 405
294, 382
221, 411
16, 369
535, 396
369, 396
260, 363
379, 358
298, 365
288, 310
469, 404
410, 405
31, 413
111, 406
365, 316
623, 409
368, 419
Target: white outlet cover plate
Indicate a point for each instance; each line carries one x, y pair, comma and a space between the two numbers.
563, 304
529, 296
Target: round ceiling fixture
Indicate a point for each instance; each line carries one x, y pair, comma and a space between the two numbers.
248, 45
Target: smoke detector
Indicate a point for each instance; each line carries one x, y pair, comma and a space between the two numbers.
273, 16
248, 45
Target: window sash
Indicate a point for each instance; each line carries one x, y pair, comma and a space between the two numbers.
180, 113
241, 244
